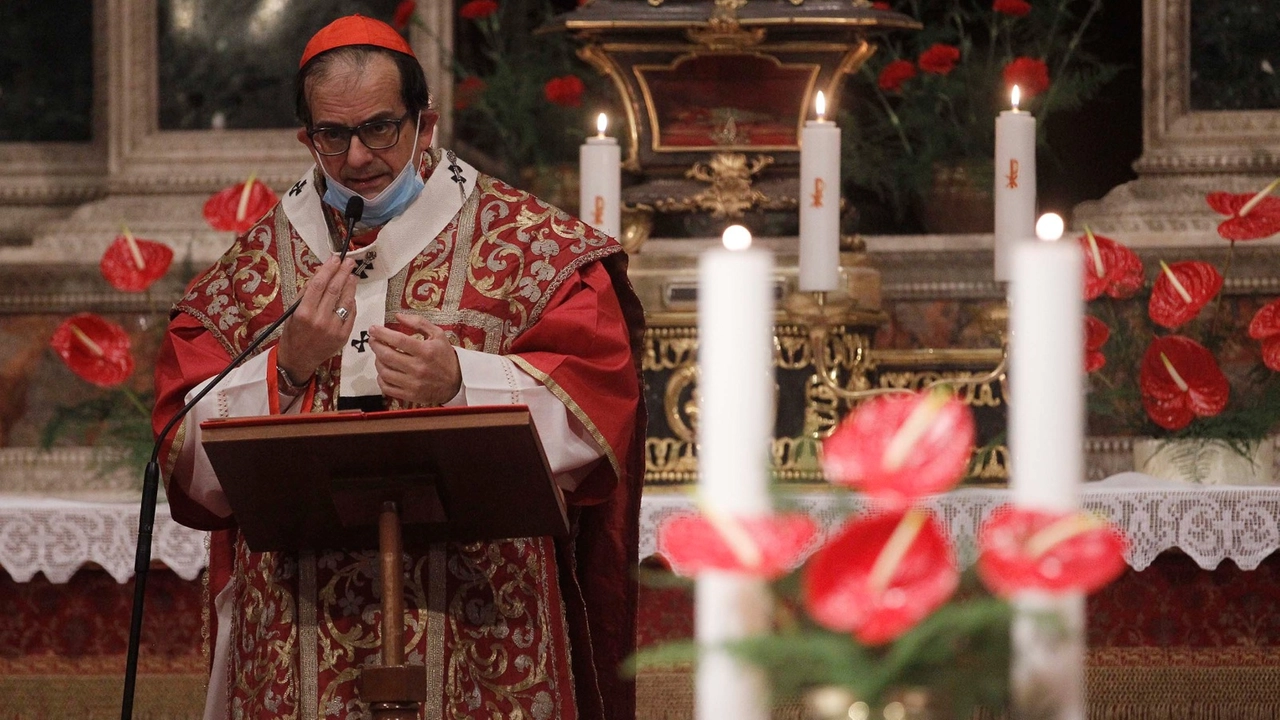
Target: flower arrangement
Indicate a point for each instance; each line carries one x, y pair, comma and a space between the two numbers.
927, 103
1171, 358
102, 353
518, 102
881, 606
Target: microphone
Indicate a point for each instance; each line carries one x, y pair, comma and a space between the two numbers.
151, 476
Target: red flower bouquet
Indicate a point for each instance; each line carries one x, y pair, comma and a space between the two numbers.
928, 101
521, 99
881, 603
1172, 356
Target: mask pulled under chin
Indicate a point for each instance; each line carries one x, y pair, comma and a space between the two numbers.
389, 203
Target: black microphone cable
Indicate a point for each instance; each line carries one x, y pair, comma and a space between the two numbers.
151, 477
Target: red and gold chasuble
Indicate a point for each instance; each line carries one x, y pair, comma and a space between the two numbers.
510, 629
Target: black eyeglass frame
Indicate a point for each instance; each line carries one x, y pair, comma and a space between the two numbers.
348, 132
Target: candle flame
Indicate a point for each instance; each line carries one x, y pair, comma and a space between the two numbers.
602, 124
1173, 373
1050, 226
1177, 284
1098, 268
890, 557
1253, 201
1015, 97
736, 237
820, 104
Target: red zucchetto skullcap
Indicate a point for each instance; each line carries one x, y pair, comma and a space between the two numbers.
354, 30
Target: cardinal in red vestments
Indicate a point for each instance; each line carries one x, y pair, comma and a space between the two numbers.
457, 289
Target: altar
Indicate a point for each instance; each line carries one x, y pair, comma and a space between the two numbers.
1191, 630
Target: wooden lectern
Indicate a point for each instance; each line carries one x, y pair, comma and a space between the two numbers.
358, 481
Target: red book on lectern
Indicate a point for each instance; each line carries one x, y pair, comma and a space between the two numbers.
317, 481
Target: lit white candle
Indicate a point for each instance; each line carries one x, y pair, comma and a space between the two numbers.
1015, 183
600, 181
1046, 438
820, 202
1046, 371
735, 430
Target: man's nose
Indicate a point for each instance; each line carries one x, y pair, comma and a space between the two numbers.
358, 153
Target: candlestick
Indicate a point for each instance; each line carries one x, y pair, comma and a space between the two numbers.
735, 430
1046, 439
819, 202
600, 180
1015, 183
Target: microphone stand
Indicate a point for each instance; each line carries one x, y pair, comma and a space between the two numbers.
151, 477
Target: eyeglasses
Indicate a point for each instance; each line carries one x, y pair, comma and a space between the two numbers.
375, 134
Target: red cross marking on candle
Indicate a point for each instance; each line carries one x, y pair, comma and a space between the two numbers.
818, 185
598, 218
1013, 173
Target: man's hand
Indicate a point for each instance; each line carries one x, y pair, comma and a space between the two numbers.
316, 332
420, 367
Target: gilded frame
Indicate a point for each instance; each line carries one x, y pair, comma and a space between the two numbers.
1178, 139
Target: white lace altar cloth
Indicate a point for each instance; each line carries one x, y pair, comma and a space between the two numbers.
1208, 523
58, 537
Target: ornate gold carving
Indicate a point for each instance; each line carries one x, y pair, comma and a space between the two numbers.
637, 223
680, 403
722, 31
730, 194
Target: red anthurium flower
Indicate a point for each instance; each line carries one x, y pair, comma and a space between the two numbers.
476, 9
1182, 289
766, 546
881, 575
1109, 267
467, 92
939, 59
240, 206
897, 448
565, 90
1096, 334
94, 349
1251, 216
404, 14
1181, 380
1029, 74
894, 74
1265, 326
1054, 552
1017, 8
132, 264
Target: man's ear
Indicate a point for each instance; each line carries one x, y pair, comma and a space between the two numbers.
428, 118
302, 137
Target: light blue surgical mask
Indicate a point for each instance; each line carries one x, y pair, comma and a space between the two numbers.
389, 203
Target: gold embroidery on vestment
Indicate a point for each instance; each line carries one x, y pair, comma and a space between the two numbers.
308, 641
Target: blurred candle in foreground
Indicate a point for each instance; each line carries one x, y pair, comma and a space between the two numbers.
819, 202
600, 181
1015, 183
1046, 369
1046, 439
735, 430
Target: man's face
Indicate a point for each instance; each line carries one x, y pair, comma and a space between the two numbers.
348, 97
